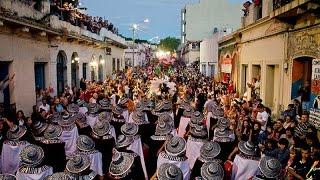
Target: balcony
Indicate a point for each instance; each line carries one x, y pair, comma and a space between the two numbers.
289, 10
21, 12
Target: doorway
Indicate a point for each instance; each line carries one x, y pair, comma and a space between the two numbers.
118, 64
100, 69
39, 75
244, 78
4, 72
75, 70
62, 80
84, 70
269, 94
301, 72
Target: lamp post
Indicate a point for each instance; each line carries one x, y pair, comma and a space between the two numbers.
134, 29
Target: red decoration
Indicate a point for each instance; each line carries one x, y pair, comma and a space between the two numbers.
256, 2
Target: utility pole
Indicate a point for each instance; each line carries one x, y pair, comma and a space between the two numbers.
133, 43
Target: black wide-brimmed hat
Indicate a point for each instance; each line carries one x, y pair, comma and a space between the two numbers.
7, 177
165, 117
55, 118
185, 103
105, 104
158, 107
217, 112
212, 171
188, 111
81, 102
31, 155
124, 141
247, 148
117, 110
167, 105
101, 128
139, 117
73, 108
53, 132
93, 108
121, 164
40, 127
223, 123
80, 118
78, 163
140, 106
222, 133
163, 131
199, 132
169, 172
16, 132
147, 104
105, 116
209, 151
129, 129
196, 118
270, 167
61, 176
67, 120
123, 101
175, 146
85, 143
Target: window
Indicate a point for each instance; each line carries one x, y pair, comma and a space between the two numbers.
211, 70
204, 69
113, 64
84, 70
39, 74
118, 64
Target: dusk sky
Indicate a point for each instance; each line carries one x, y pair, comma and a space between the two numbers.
164, 15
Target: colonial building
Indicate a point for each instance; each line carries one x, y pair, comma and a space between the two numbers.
46, 52
142, 53
209, 52
199, 20
278, 42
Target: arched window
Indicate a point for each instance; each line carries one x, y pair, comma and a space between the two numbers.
62, 80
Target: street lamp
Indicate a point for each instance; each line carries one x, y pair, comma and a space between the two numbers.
134, 29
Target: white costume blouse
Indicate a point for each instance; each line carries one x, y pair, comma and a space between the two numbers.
10, 159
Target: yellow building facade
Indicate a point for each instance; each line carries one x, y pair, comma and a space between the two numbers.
276, 44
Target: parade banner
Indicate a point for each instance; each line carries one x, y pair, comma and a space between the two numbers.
315, 88
314, 118
226, 66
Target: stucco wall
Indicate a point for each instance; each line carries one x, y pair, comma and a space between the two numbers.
24, 51
203, 17
257, 50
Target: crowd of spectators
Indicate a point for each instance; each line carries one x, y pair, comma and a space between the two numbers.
289, 140
68, 10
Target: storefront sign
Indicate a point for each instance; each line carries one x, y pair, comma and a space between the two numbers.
226, 66
315, 79
314, 118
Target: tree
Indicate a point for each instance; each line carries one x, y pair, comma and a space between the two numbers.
169, 44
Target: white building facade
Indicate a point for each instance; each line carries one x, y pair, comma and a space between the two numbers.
209, 53
199, 20
52, 54
140, 55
